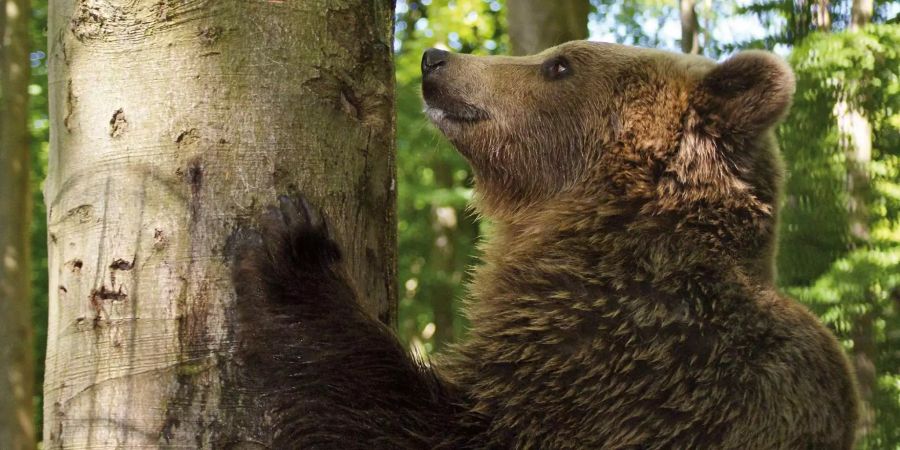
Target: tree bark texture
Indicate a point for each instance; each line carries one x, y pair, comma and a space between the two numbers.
16, 364
690, 26
173, 122
535, 25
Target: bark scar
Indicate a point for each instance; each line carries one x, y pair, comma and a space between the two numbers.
187, 137
209, 35
71, 101
118, 124
121, 264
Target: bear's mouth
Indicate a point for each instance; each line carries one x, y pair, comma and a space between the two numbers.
438, 115
441, 112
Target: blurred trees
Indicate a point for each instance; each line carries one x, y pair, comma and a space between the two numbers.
39, 128
437, 233
840, 233
839, 238
538, 24
855, 140
16, 359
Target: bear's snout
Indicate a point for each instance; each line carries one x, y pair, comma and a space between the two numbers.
445, 90
432, 60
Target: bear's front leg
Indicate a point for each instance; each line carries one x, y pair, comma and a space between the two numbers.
327, 372
291, 259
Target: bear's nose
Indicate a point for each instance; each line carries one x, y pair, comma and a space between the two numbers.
433, 59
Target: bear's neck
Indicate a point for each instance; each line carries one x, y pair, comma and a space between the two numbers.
552, 304
567, 258
564, 265
541, 297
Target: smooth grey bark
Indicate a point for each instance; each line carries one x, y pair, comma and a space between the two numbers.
538, 24
173, 123
16, 359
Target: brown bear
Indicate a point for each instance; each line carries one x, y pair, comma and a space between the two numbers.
626, 296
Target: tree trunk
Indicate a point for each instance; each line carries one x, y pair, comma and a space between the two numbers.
538, 24
823, 15
16, 365
855, 136
690, 35
172, 124
861, 13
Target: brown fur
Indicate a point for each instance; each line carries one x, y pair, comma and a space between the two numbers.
626, 299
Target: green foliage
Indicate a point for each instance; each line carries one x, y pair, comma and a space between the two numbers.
436, 233
796, 17
790, 22
649, 23
40, 137
632, 17
845, 281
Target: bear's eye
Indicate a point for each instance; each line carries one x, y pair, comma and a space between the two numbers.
556, 68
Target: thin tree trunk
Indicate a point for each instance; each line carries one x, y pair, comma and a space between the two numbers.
538, 24
708, 27
855, 133
172, 124
861, 13
856, 139
823, 15
16, 359
690, 35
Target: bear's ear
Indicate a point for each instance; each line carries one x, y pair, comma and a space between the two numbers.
746, 94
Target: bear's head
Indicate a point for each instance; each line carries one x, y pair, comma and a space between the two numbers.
641, 139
